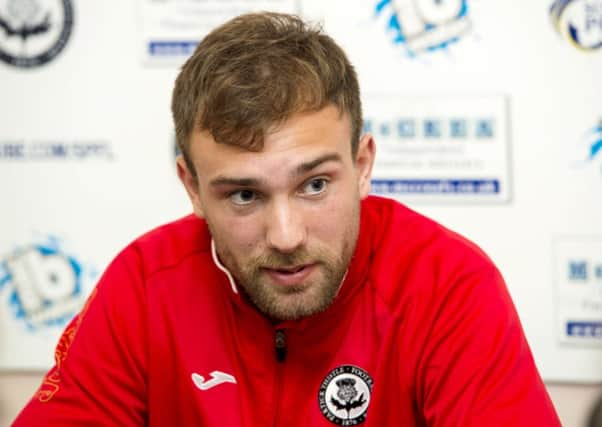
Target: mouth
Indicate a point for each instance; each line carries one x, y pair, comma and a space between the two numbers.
290, 276
289, 270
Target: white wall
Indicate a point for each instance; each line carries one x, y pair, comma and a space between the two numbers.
104, 97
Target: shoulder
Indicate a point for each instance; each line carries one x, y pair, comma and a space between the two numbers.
413, 254
167, 245
402, 234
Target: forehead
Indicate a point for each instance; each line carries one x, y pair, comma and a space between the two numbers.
299, 139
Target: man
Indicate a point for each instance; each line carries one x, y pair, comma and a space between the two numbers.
291, 297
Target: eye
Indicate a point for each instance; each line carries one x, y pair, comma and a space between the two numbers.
243, 197
315, 186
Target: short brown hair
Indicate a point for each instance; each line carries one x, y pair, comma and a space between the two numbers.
254, 72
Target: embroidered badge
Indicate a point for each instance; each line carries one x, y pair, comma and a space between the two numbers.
344, 395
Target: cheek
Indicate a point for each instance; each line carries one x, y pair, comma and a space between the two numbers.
240, 235
330, 222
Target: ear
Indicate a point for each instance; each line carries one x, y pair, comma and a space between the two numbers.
364, 160
190, 184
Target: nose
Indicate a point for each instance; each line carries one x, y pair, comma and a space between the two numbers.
285, 227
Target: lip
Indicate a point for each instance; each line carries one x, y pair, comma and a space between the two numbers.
282, 278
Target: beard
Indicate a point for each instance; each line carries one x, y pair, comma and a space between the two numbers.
296, 301
292, 302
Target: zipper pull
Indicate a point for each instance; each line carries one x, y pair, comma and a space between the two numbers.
280, 345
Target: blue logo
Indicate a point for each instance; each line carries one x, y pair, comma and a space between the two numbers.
425, 25
589, 148
45, 285
579, 21
35, 31
593, 140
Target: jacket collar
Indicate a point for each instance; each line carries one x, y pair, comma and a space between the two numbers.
221, 267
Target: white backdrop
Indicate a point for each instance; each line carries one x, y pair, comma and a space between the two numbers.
501, 96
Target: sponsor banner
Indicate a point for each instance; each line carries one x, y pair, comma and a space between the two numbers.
424, 26
578, 274
171, 29
440, 148
579, 22
34, 32
42, 286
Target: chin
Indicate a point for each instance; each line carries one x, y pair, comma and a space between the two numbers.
297, 307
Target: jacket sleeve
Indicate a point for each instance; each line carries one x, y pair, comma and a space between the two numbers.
476, 367
99, 377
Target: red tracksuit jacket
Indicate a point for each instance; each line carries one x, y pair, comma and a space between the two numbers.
422, 333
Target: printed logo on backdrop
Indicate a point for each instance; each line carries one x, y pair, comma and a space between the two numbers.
593, 144
34, 32
171, 30
57, 149
579, 282
422, 26
344, 395
43, 285
579, 22
440, 148
589, 150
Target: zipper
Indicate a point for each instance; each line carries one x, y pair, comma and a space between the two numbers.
280, 355
280, 345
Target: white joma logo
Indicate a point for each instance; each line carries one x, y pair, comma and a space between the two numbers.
217, 378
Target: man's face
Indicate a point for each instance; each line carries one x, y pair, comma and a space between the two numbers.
285, 220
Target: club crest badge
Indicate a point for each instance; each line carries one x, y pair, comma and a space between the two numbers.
34, 32
344, 395
579, 22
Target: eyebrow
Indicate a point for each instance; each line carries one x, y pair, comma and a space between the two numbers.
308, 166
303, 168
239, 182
